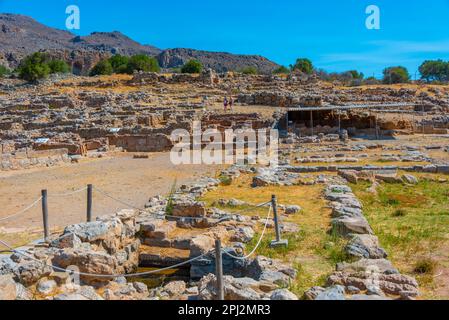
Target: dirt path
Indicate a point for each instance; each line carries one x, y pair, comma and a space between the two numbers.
131, 180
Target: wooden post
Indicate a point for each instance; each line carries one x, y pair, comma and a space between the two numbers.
89, 203
278, 242
339, 122
311, 121
45, 214
219, 270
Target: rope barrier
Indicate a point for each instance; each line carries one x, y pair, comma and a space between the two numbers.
60, 195
22, 211
118, 200
258, 242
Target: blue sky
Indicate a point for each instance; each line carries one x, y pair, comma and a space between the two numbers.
331, 33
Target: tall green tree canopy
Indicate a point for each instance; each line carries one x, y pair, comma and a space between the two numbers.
34, 67
396, 75
142, 62
434, 70
119, 63
303, 65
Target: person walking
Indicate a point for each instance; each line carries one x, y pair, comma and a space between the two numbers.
225, 104
231, 103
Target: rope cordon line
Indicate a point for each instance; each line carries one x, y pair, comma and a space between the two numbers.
21, 211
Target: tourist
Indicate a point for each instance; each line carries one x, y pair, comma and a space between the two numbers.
231, 103
225, 103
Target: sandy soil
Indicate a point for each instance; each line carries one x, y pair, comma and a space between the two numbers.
133, 181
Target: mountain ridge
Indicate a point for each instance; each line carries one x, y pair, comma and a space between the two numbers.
21, 35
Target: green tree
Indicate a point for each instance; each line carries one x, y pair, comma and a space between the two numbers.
103, 67
281, 69
303, 65
3, 71
192, 66
119, 63
58, 66
434, 70
396, 75
356, 75
142, 62
34, 67
249, 70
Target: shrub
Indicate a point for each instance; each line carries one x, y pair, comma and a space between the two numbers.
396, 75
281, 70
249, 70
3, 71
58, 66
142, 62
103, 67
193, 66
225, 180
34, 67
119, 63
303, 65
425, 266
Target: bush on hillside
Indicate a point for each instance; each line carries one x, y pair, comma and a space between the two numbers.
192, 66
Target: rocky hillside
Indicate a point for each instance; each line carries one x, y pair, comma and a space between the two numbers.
219, 61
22, 35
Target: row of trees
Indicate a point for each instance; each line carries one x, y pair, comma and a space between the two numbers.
39, 65
122, 64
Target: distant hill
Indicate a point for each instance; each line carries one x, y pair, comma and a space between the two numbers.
21, 35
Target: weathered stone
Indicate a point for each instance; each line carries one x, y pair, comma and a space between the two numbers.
408, 178
46, 287
243, 234
189, 209
313, 292
346, 226
292, 209
365, 246
333, 293
8, 290
283, 294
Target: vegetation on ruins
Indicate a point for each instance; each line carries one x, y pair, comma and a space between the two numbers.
394, 75
192, 66
58, 66
281, 70
123, 64
144, 63
119, 63
249, 70
103, 67
303, 65
434, 70
39, 65
3, 71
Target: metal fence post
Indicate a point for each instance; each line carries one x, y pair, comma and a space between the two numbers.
219, 270
45, 214
89, 203
278, 242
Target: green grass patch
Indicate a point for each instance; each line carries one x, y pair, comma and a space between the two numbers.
410, 221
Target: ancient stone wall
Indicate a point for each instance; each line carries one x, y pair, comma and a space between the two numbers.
27, 159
